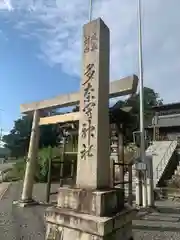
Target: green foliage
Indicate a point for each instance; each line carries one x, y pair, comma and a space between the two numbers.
43, 158
42, 167
43, 163
18, 139
151, 98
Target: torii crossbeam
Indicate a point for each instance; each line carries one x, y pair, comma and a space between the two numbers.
122, 87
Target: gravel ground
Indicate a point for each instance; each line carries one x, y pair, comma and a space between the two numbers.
22, 223
28, 223
156, 235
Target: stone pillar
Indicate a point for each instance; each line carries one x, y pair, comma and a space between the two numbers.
121, 156
150, 182
130, 193
31, 160
144, 189
93, 144
92, 209
114, 155
155, 123
138, 188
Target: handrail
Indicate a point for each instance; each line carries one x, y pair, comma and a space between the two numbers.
163, 159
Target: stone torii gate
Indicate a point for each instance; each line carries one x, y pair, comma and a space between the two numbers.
122, 87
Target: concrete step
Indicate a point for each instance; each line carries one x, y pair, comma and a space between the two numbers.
158, 221
156, 225
162, 217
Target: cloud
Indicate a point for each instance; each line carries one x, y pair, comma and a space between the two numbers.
5, 5
57, 25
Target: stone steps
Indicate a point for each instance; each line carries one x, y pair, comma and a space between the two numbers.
158, 221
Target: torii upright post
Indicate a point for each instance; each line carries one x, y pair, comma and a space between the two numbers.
26, 197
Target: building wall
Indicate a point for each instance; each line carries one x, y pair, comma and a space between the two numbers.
168, 125
169, 120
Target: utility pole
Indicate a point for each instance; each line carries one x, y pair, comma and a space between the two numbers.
90, 10
141, 93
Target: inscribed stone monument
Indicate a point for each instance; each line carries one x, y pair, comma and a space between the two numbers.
93, 147
92, 210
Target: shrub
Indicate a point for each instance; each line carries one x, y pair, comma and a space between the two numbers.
42, 167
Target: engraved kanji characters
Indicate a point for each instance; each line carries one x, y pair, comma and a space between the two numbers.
86, 152
89, 73
88, 90
88, 110
86, 44
94, 40
90, 43
87, 129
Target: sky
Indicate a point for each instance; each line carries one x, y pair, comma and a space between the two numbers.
40, 48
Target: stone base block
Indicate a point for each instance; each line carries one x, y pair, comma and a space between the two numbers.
25, 203
69, 225
64, 233
93, 202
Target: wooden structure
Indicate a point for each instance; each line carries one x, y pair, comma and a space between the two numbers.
165, 123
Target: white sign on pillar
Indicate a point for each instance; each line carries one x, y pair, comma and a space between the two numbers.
93, 167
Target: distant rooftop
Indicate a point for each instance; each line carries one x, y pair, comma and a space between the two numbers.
168, 106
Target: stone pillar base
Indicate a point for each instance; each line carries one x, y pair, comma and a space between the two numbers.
89, 215
67, 225
25, 203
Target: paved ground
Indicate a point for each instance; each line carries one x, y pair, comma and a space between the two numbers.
3, 188
21, 223
28, 223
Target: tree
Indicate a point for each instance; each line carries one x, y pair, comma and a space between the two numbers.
151, 98
18, 138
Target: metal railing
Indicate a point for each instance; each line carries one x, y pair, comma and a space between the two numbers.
61, 176
164, 160
122, 182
